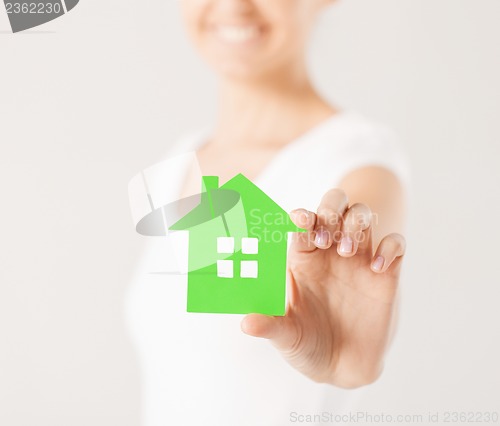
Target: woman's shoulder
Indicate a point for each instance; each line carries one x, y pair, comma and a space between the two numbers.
350, 140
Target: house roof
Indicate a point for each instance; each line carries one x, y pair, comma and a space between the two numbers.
217, 202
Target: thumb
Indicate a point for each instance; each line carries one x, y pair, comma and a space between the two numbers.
279, 330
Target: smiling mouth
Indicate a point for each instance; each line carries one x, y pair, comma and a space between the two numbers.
237, 34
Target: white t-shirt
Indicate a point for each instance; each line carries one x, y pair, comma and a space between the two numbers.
200, 369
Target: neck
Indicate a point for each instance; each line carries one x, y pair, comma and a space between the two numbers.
267, 112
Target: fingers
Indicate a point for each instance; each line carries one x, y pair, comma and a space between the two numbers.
278, 329
333, 221
329, 218
348, 228
389, 253
356, 231
303, 241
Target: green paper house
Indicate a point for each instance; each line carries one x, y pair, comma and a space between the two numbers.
237, 249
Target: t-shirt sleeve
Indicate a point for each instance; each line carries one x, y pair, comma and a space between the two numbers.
366, 144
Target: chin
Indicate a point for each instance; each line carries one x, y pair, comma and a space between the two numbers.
238, 70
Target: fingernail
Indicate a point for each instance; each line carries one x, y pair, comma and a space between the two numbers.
346, 245
321, 238
378, 263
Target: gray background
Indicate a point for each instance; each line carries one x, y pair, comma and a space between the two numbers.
88, 100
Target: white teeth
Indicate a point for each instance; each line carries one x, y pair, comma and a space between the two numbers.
237, 34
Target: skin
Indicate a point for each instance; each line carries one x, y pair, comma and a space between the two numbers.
343, 274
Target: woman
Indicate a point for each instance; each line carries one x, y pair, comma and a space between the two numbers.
347, 179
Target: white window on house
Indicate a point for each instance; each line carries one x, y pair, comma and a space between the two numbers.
250, 245
248, 268
225, 268
225, 245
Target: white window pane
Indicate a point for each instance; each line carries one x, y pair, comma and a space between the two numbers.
225, 245
225, 268
249, 245
248, 269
